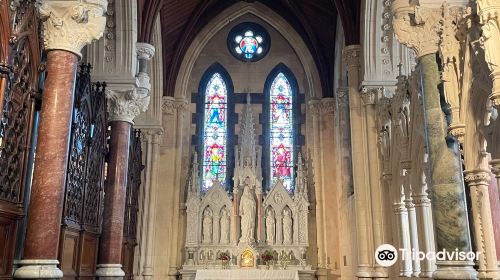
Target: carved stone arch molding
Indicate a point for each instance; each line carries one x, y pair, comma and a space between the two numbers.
270, 17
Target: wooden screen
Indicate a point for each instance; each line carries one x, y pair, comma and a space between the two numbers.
81, 223
19, 77
132, 204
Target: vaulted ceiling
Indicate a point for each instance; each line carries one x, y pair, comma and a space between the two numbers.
314, 20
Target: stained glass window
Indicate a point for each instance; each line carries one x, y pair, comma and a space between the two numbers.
215, 132
248, 41
281, 131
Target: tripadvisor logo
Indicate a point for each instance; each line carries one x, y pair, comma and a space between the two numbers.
387, 255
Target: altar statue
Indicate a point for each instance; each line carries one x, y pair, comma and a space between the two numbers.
247, 214
270, 226
287, 227
207, 226
224, 227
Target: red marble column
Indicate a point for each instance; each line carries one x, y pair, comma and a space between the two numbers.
114, 199
47, 193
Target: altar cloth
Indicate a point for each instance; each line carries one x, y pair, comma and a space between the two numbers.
246, 274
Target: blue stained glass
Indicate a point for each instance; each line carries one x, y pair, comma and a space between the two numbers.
281, 131
215, 132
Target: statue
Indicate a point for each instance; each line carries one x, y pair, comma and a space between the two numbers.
287, 227
247, 214
270, 225
224, 227
207, 226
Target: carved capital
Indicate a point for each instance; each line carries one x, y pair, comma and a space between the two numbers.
328, 106
351, 56
416, 27
181, 105
70, 24
370, 94
167, 106
343, 97
126, 105
421, 200
495, 167
477, 177
315, 107
457, 130
145, 51
489, 15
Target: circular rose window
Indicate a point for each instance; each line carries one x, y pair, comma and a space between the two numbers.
248, 41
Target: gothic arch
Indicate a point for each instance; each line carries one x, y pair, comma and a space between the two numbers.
266, 14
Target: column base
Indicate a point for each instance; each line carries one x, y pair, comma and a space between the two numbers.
110, 272
451, 270
364, 272
38, 269
425, 274
494, 275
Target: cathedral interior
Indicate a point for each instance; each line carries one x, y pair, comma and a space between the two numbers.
256, 139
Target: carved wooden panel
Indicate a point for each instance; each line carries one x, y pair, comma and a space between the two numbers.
135, 168
7, 237
19, 75
69, 251
88, 254
85, 177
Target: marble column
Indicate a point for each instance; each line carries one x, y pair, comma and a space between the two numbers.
63, 44
488, 11
495, 169
114, 202
351, 57
123, 106
478, 182
447, 192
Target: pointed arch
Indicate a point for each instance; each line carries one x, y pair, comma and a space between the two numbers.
281, 110
214, 126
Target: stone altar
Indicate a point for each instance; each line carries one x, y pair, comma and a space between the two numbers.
246, 221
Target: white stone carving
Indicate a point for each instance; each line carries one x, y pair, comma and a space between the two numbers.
287, 227
126, 105
224, 226
270, 227
71, 25
247, 214
420, 34
488, 11
246, 218
207, 226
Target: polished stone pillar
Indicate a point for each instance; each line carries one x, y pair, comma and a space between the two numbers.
47, 193
63, 44
125, 102
447, 193
114, 202
478, 182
